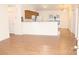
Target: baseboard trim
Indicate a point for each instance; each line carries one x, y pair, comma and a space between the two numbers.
4, 38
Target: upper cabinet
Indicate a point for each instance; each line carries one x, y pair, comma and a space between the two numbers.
28, 14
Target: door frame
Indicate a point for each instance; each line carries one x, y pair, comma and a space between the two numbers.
77, 27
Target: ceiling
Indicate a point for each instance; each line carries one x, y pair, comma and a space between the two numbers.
47, 6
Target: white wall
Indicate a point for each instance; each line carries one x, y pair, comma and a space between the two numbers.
44, 14
4, 29
62, 13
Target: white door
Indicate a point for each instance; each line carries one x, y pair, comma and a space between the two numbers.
78, 34
11, 17
77, 28
14, 18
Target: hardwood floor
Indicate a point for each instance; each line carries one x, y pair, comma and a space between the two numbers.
39, 45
